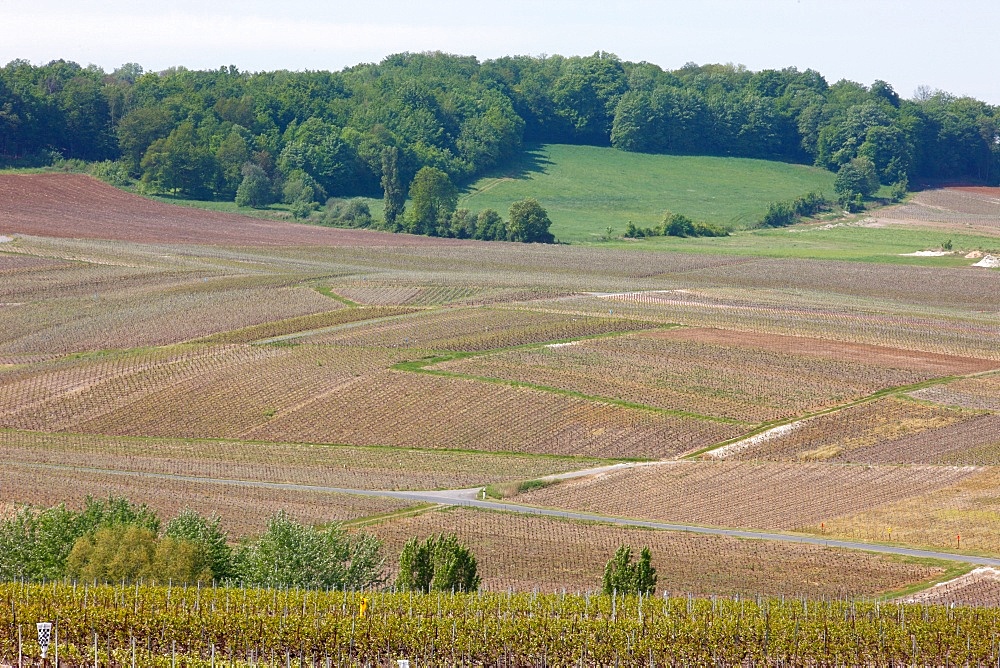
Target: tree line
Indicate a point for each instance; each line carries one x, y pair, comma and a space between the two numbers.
114, 540
307, 136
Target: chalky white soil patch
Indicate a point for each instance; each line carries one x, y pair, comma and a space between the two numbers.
739, 446
989, 261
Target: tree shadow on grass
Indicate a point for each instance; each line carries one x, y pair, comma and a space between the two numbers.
531, 160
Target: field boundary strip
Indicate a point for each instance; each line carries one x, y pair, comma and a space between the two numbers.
468, 498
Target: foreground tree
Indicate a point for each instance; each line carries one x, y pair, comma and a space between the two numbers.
439, 563
207, 536
623, 576
529, 222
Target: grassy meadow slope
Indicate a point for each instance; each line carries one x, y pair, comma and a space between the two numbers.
585, 189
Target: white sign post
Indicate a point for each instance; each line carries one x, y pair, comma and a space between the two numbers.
44, 636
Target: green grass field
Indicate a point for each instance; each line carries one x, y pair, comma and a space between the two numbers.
842, 240
585, 189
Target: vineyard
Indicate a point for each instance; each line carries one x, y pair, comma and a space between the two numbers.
721, 373
245, 508
759, 495
414, 386
885, 431
297, 463
161, 626
546, 554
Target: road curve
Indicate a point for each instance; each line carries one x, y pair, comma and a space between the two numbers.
470, 498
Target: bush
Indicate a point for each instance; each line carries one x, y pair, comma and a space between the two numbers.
529, 222
783, 214
347, 213
255, 188
856, 179
490, 227
128, 553
113, 172
899, 189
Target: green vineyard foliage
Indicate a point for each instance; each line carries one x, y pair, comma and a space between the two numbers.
197, 625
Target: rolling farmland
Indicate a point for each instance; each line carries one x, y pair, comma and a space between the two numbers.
217, 351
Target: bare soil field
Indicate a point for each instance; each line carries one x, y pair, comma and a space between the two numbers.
963, 208
328, 466
77, 206
755, 495
738, 375
533, 553
243, 510
887, 431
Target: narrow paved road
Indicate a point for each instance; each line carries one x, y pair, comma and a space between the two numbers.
470, 498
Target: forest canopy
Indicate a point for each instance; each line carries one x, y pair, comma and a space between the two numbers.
315, 134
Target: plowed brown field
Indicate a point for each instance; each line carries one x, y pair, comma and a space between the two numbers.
78, 206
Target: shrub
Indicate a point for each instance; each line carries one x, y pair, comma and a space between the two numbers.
347, 213
113, 172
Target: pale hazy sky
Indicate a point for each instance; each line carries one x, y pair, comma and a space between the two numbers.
953, 45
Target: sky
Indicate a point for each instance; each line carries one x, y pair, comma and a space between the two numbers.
951, 46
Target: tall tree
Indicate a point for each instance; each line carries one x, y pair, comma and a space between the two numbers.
392, 187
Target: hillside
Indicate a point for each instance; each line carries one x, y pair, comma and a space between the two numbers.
585, 189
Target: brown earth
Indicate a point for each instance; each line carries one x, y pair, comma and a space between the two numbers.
81, 207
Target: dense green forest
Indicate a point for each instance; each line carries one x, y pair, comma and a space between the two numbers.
334, 134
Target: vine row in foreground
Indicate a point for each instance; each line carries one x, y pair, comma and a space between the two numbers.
198, 626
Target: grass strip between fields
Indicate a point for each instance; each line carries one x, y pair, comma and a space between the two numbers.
327, 291
409, 511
